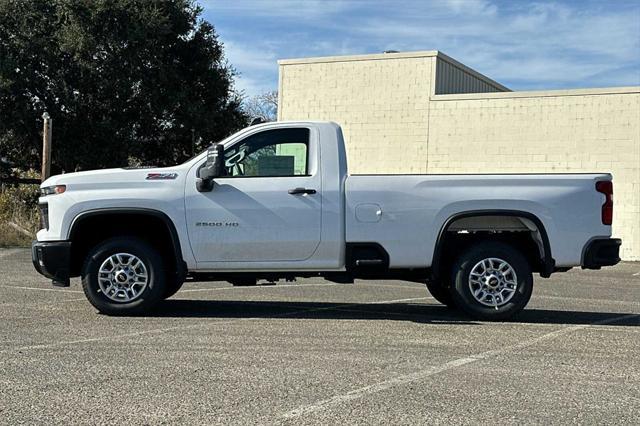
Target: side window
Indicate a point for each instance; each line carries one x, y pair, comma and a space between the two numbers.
278, 152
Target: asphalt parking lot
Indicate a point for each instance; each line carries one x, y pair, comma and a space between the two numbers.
313, 352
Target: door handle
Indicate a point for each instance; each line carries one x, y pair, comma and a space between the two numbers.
298, 191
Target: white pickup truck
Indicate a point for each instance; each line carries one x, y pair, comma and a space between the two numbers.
275, 201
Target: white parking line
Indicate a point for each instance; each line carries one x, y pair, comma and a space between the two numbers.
52, 303
396, 300
450, 365
98, 339
41, 289
582, 299
187, 327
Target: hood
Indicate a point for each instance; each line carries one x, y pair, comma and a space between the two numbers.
115, 177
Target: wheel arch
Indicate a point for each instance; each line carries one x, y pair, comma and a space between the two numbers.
547, 261
84, 218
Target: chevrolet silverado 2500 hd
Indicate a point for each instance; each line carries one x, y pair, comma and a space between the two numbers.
275, 201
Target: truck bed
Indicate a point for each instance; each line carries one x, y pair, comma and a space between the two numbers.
406, 213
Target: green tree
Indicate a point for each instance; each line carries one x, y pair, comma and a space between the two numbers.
121, 79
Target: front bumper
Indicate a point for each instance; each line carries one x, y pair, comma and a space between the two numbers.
52, 259
601, 252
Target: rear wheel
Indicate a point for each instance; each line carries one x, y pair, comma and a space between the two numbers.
172, 287
123, 276
491, 281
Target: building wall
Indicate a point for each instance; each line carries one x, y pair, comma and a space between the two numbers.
395, 123
378, 111
556, 132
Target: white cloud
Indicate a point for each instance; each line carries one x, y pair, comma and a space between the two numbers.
250, 58
543, 42
249, 87
472, 7
299, 9
257, 68
523, 45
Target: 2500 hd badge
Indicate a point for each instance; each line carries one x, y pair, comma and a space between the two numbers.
218, 224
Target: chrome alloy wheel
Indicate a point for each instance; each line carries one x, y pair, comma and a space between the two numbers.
493, 282
123, 277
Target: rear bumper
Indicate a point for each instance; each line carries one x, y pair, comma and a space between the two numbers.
601, 252
52, 259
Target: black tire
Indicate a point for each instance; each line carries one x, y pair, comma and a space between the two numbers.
441, 293
156, 281
172, 287
462, 294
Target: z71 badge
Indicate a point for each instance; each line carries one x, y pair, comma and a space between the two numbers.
161, 176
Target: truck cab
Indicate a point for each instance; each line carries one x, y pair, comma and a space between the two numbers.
276, 201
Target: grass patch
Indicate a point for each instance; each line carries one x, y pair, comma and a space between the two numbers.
19, 206
9, 237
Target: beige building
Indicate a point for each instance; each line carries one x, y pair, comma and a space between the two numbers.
424, 112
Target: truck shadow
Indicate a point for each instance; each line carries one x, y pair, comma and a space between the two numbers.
419, 313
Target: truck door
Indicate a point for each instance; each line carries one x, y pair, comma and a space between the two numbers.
267, 207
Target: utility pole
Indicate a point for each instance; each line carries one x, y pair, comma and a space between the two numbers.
46, 147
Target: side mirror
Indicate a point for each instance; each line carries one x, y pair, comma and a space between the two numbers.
213, 168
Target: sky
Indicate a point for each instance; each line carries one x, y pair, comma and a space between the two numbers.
524, 45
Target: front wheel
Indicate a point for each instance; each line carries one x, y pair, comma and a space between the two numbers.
441, 293
491, 281
123, 276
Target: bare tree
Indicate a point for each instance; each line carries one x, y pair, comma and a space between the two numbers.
264, 105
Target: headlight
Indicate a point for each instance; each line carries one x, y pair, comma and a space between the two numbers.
51, 190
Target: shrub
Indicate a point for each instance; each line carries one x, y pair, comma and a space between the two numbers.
18, 206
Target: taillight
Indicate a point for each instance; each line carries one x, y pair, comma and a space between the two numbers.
606, 188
